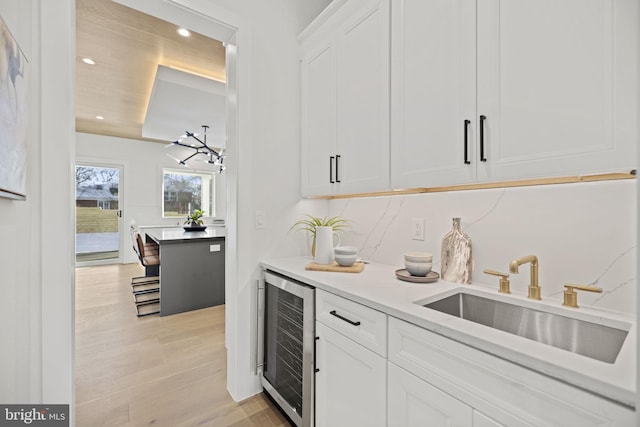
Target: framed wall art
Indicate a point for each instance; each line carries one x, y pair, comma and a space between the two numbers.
13, 117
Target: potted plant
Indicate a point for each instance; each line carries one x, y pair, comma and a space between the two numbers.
309, 224
195, 218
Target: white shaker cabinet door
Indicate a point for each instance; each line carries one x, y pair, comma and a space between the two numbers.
345, 102
557, 83
416, 403
363, 101
319, 120
433, 93
351, 382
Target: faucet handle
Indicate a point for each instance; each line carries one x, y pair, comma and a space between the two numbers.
504, 280
570, 295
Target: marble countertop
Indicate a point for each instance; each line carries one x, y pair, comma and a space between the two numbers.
377, 287
172, 234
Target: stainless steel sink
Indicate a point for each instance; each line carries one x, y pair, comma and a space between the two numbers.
578, 336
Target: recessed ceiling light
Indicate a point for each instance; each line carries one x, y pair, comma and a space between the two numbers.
89, 61
99, 117
184, 32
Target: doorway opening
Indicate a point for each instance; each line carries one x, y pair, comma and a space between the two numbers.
218, 30
98, 214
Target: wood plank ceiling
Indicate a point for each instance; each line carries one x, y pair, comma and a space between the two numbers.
127, 47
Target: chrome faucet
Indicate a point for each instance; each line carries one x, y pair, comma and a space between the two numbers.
534, 288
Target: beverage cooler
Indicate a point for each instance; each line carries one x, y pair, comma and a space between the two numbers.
289, 346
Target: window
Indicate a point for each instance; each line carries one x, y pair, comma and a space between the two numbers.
184, 192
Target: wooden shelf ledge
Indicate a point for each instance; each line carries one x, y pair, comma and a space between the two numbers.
614, 176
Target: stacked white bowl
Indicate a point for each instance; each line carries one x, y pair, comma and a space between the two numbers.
418, 263
346, 255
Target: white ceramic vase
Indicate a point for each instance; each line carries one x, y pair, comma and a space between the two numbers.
456, 263
325, 245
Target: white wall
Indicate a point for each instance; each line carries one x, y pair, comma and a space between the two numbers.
19, 323
36, 253
141, 188
268, 172
582, 233
57, 144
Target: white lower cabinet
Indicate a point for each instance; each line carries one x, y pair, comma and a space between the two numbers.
481, 420
414, 402
443, 378
351, 382
374, 370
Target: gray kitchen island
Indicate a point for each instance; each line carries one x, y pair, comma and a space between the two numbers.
191, 267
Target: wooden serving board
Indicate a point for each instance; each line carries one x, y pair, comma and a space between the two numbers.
355, 268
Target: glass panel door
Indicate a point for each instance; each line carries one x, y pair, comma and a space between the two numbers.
98, 214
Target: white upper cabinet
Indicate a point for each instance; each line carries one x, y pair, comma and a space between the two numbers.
433, 92
345, 101
541, 88
554, 83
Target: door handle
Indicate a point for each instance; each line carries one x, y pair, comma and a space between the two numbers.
482, 120
337, 174
466, 142
119, 213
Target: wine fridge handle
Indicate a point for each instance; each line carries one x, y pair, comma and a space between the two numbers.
259, 351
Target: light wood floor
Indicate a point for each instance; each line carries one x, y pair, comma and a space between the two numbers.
161, 371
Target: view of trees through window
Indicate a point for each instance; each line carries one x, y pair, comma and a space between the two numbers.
91, 175
184, 192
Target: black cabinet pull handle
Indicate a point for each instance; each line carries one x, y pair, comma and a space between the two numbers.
482, 157
315, 351
333, 313
331, 181
466, 142
337, 174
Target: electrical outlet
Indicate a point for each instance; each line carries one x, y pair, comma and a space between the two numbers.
418, 229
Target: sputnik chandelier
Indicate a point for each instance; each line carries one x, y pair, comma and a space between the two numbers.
214, 157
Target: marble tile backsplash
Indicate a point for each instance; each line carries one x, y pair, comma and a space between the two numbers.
582, 233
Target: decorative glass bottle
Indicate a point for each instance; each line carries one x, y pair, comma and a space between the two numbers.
455, 257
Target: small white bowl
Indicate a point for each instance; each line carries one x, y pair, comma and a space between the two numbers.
418, 256
417, 264
420, 269
346, 250
346, 260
